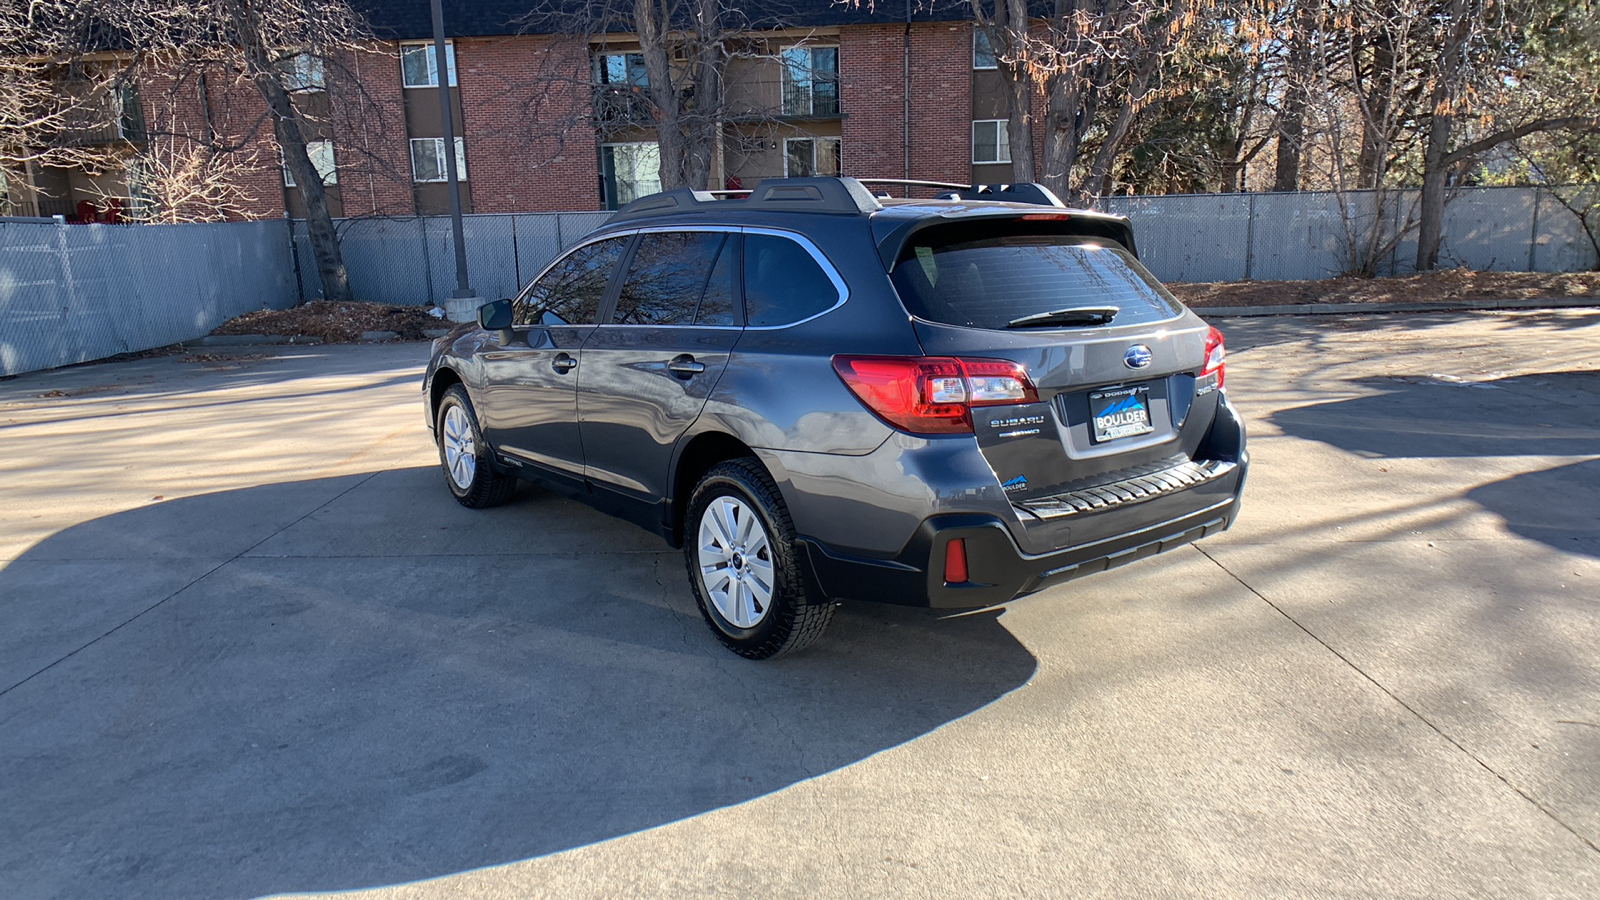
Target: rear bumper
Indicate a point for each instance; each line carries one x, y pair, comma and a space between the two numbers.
999, 570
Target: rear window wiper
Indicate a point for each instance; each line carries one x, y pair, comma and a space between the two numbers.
1082, 315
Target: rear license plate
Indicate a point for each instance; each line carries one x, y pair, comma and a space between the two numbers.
1120, 413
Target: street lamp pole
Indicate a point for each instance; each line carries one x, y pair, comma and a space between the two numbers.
463, 303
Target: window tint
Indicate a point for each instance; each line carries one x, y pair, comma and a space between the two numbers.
782, 283
716, 305
570, 293
981, 277
666, 278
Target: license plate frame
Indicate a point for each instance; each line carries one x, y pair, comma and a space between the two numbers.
1119, 413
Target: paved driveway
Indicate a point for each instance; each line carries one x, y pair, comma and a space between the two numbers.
249, 645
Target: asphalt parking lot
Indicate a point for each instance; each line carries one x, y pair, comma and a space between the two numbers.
251, 646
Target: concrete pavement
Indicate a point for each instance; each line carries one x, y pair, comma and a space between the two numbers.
251, 646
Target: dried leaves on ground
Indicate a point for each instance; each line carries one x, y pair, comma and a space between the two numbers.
335, 323
1443, 286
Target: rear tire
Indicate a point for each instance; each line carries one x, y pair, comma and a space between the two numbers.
739, 547
468, 466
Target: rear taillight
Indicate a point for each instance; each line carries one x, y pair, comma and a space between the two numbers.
1215, 354
933, 394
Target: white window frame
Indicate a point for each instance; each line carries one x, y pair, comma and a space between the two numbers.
433, 63
811, 93
978, 34
813, 141
322, 159
1002, 136
438, 151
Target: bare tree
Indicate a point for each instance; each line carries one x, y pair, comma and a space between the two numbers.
259, 41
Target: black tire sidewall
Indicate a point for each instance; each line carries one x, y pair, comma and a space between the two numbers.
456, 396
723, 481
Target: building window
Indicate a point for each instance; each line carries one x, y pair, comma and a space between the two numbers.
428, 162
321, 153
982, 50
811, 81
807, 157
305, 74
621, 69
991, 141
419, 68
630, 171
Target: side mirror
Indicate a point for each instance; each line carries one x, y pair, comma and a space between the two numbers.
495, 315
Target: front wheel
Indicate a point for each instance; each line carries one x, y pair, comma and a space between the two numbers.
740, 550
464, 455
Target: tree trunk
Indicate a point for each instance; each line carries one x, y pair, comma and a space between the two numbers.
1436, 156
1377, 107
1292, 119
292, 141
1008, 37
1069, 106
1098, 179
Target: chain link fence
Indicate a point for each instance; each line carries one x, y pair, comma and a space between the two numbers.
412, 260
73, 293
1307, 235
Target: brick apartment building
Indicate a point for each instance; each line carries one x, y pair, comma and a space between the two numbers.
548, 122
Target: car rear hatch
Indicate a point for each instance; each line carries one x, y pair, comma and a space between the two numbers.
1123, 373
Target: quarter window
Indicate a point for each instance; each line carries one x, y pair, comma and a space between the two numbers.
667, 277
419, 66
782, 282
570, 293
991, 141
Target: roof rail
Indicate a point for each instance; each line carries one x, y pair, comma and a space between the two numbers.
1031, 192
819, 195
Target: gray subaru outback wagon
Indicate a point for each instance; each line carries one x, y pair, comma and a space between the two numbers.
824, 395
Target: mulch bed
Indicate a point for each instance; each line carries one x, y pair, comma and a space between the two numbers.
1444, 286
335, 323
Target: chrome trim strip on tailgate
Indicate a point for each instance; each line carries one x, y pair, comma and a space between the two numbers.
1133, 486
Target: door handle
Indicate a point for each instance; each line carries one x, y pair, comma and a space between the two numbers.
563, 363
685, 366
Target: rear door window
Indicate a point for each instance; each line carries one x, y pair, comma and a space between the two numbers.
570, 293
979, 276
783, 283
667, 277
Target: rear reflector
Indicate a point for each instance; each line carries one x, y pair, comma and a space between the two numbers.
955, 561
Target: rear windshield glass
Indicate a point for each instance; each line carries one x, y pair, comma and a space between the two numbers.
972, 276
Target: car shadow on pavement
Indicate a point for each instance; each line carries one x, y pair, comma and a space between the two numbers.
343, 700
1544, 414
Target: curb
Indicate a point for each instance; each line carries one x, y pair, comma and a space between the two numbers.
1339, 309
238, 340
